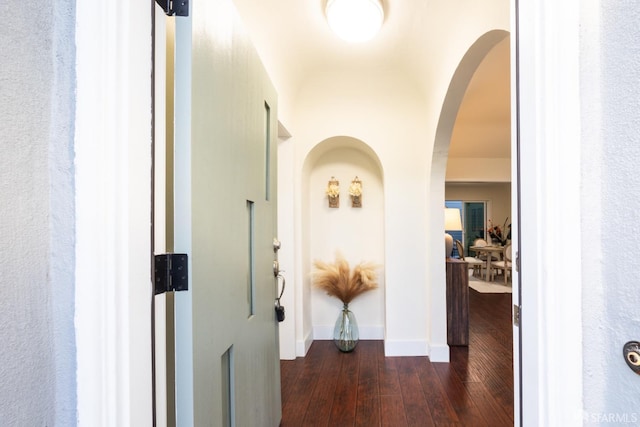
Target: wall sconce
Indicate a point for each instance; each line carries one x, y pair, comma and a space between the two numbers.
333, 192
355, 191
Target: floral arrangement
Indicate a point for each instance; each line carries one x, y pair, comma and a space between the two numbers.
333, 189
499, 233
338, 280
355, 189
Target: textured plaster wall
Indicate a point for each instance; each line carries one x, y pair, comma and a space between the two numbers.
611, 224
37, 350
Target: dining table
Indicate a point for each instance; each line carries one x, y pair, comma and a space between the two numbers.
489, 251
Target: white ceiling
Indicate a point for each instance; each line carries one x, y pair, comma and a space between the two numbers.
295, 42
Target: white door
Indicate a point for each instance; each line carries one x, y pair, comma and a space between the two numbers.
227, 361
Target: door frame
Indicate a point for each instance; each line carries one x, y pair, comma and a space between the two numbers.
114, 376
548, 49
113, 204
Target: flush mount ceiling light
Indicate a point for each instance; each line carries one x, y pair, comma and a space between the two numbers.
355, 20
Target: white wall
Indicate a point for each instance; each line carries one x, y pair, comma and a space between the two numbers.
610, 89
36, 188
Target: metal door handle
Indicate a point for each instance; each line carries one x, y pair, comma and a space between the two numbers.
280, 276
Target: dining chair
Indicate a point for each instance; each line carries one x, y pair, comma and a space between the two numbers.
480, 242
474, 263
504, 265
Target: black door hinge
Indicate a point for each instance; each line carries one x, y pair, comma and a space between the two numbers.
171, 273
174, 7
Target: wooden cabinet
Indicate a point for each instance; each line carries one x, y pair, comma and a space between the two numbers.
457, 302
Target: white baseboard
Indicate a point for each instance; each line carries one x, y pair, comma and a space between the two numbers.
366, 332
406, 348
436, 352
302, 347
439, 353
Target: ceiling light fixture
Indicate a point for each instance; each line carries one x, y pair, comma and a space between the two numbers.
355, 20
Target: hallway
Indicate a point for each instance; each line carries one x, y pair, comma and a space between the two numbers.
363, 388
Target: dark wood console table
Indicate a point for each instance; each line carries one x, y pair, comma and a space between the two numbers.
457, 302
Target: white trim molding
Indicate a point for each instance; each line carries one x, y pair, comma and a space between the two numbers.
325, 332
303, 346
439, 353
550, 168
406, 348
113, 205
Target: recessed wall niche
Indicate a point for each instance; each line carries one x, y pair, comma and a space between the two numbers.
357, 233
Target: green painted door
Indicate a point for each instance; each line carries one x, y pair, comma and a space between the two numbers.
227, 361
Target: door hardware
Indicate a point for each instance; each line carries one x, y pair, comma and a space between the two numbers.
516, 315
631, 353
171, 273
280, 308
174, 7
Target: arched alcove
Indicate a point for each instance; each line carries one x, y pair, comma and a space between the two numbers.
356, 232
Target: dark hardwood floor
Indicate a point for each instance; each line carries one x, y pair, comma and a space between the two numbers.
364, 388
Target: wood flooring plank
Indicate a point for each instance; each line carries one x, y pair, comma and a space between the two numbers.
368, 401
392, 411
321, 401
415, 405
440, 408
289, 370
294, 411
343, 410
388, 377
459, 398
491, 410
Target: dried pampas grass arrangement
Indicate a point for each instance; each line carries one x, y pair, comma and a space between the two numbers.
337, 279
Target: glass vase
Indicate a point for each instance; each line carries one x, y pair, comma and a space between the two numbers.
345, 333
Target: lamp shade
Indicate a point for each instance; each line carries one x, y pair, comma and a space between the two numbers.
355, 20
452, 219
